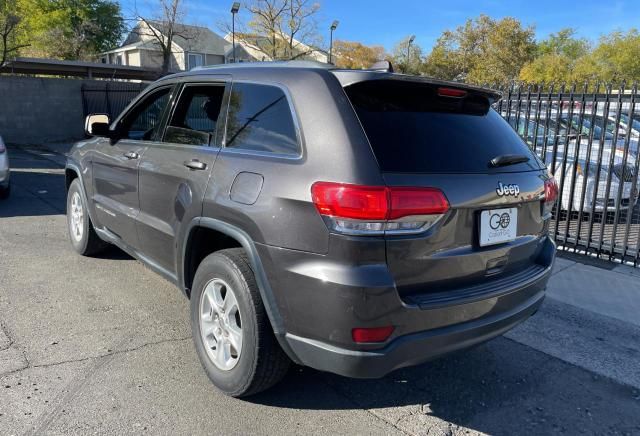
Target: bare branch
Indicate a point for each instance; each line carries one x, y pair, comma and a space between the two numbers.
8, 25
283, 29
163, 29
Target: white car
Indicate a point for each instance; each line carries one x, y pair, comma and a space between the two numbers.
5, 185
586, 173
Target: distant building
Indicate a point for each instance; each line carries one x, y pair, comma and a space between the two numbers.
193, 46
252, 48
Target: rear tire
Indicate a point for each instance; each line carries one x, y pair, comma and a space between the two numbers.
82, 235
225, 302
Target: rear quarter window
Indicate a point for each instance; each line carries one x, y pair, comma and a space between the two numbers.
260, 119
413, 129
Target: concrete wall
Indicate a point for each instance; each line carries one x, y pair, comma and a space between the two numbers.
38, 110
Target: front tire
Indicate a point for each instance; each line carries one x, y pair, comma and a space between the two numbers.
82, 235
231, 331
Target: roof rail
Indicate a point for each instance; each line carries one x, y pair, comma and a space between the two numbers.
266, 64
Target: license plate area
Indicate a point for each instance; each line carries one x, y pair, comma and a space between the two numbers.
498, 226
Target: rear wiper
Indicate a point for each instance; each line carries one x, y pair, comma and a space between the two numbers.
508, 159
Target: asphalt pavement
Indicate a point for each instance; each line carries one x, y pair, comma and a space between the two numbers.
102, 345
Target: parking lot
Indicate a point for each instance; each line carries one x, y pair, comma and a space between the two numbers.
103, 345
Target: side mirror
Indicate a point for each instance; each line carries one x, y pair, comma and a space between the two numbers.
97, 125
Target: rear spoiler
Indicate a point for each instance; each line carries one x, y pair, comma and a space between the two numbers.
351, 77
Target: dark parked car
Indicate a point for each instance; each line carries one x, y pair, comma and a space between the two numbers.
352, 221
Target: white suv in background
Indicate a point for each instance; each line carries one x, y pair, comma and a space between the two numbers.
4, 171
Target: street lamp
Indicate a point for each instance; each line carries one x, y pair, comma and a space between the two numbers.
333, 27
411, 39
234, 10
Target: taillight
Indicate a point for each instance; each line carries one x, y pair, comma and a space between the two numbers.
356, 209
350, 201
550, 194
416, 201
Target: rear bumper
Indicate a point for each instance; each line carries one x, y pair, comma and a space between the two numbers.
411, 349
321, 301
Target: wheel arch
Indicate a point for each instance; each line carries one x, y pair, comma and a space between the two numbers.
244, 241
71, 173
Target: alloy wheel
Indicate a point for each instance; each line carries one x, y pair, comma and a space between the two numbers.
220, 324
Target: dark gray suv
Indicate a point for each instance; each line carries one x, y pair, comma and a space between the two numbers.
352, 221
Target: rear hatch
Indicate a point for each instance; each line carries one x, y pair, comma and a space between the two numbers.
445, 136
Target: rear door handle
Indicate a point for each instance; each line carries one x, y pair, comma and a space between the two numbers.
131, 155
195, 165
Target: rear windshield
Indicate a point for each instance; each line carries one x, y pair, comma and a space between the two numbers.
413, 129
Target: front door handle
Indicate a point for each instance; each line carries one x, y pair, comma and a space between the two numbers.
195, 165
131, 155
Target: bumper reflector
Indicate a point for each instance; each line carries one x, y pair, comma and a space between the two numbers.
375, 334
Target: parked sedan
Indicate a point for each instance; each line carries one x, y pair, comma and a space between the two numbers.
5, 185
538, 133
596, 123
620, 177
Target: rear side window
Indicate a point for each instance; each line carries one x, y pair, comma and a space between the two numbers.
260, 119
196, 116
413, 129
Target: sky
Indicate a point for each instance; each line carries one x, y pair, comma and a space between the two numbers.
385, 22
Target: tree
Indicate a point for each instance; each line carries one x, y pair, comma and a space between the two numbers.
299, 26
445, 61
408, 58
564, 43
483, 50
266, 21
557, 58
617, 57
548, 68
70, 29
350, 54
587, 69
281, 29
9, 22
164, 28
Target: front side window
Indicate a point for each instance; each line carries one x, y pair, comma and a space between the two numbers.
260, 119
144, 120
196, 117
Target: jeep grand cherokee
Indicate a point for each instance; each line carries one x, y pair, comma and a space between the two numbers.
352, 221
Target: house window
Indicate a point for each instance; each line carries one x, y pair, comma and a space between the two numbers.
195, 60
119, 59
